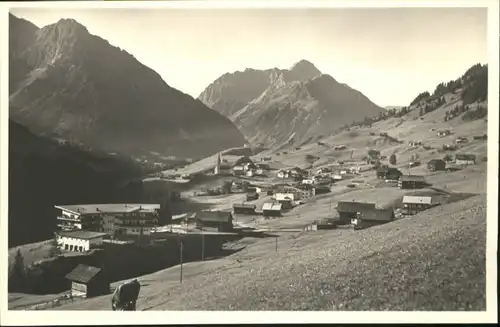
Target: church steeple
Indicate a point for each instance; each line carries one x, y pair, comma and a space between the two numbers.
217, 166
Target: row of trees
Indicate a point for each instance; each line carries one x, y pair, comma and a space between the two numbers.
422, 96
458, 110
478, 113
369, 121
474, 84
430, 107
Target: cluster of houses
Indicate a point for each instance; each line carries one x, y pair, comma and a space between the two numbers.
458, 162
86, 227
461, 139
362, 215
83, 227
242, 167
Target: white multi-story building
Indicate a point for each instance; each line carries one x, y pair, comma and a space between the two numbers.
79, 240
112, 219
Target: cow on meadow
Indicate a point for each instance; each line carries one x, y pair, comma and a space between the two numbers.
125, 296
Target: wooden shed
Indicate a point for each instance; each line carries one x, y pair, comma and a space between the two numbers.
388, 173
436, 165
244, 208
411, 182
87, 281
415, 204
465, 159
222, 220
372, 217
349, 209
271, 209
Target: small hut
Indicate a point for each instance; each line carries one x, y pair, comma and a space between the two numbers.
244, 208
436, 165
87, 281
271, 209
411, 182
415, 204
221, 220
349, 209
372, 217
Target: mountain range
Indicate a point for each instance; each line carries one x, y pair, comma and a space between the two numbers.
277, 107
68, 83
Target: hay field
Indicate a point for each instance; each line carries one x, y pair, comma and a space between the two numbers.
432, 261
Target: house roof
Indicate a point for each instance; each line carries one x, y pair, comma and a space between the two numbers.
213, 216
411, 178
108, 208
81, 234
461, 156
244, 206
432, 161
382, 169
377, 214
417, 199
347, 206
243, 160
271, 206
83, 273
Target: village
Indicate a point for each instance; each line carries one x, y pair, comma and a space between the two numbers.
256, 196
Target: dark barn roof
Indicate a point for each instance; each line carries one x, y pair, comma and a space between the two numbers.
434, 161
412, 178
347, 206
263, 166
83, 274
225, 166
461, 156
377, 215
382, 169
214, 216
244, 206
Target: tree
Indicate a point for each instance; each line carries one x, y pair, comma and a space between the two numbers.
54, 249
226, 187
17, 273
392, 159
447, 158
373, 154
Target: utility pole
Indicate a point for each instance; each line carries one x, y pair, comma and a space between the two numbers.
276, 243
202, 245
181, 248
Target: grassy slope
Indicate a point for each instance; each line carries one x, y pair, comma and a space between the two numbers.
433, 261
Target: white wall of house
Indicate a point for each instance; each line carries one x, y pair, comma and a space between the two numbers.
283, 196
283, 174
68, 214
108, 224
78, 244
464, 162
136, 230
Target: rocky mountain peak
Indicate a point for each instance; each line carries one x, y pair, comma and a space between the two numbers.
305, 69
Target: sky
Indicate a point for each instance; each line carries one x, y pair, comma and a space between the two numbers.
389, 54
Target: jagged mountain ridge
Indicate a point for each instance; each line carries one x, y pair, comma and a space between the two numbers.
67, 82
231, 92
296, 105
